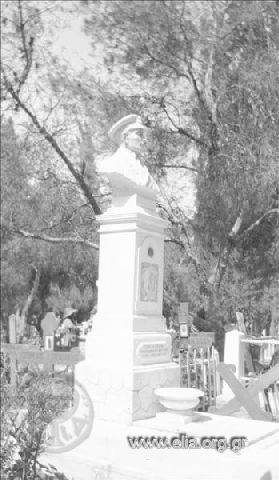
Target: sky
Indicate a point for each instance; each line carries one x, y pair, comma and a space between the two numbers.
74, 45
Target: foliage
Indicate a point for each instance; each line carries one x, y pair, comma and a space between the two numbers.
39, 201
59, 299
26, 411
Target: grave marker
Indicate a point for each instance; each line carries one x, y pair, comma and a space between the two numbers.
12, 328
49, 324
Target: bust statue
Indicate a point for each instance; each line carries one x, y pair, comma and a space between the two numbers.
125, 168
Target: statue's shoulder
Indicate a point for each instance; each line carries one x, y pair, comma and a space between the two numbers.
117, 161
121, 155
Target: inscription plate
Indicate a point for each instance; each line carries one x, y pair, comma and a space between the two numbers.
158, 352
184, 330
149, 282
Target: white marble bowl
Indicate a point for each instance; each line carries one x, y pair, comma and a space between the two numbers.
179, 400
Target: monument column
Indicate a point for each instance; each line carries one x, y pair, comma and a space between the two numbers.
128, 352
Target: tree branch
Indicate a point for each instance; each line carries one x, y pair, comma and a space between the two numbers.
32, 294
273, 211
27, 49
182, 130
236, 227
192, 169
175, 241
172, 218
49, 138
21, 26
47, 238
164, 64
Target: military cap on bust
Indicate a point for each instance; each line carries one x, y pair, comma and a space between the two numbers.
124, 125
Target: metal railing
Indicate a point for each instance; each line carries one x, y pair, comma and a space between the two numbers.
198, 370
268, 346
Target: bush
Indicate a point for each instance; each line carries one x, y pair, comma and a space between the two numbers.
26, 411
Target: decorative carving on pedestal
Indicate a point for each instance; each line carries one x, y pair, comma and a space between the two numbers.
149, 276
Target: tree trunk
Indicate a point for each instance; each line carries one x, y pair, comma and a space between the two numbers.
31, 296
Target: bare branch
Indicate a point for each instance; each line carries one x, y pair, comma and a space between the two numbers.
175, 221
273, 211
46, 238
175, 241
67, 218
208, 95
182, 130
196, 89
21, 26
192, 169
79, 178
236, 227
158, 60
27, 49
32, 294
224, 256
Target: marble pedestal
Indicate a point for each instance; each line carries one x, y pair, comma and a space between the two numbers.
128, 353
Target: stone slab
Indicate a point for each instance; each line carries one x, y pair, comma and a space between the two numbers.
107, 454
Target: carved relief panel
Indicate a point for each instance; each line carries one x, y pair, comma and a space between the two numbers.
149, 285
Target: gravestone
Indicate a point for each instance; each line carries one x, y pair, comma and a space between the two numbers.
184, 330
12, 328
274, 327
242, 329
20, 325
49, 324
240, 322
128, 352
185, 323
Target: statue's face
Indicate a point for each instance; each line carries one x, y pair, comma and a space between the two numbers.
135, 140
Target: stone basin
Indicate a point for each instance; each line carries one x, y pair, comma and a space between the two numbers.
179, 400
